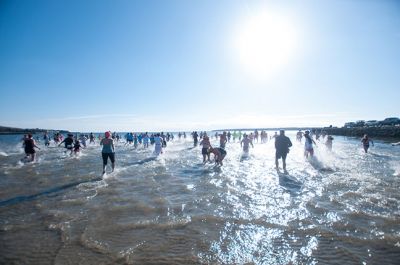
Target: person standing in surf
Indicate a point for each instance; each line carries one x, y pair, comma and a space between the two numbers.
108, 151
29, 148
365, 142
195, 138
223, 140
282, 145
206, 145
308, 145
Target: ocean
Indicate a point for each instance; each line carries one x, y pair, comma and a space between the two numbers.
343, 207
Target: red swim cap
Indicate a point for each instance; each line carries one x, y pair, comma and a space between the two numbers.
107, 134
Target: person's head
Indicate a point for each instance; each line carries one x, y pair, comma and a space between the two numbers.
29, 136
107, 134
365, 135
307, 132
282, 132
70, 135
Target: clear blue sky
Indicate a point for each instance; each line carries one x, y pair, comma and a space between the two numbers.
173, 65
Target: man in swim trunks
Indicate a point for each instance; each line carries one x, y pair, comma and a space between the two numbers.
206, 145
282, 145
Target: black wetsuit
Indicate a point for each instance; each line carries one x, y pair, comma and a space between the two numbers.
282, 144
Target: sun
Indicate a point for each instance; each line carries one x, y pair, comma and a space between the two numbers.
264, 44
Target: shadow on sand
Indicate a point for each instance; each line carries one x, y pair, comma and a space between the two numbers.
24, 198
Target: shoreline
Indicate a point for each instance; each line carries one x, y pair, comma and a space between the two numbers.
387, 132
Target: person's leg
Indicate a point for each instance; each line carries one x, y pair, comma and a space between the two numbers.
112, 158
284, 161
105, 158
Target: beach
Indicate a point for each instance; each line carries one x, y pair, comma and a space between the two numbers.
340, 208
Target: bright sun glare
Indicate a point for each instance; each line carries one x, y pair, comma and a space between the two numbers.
264, 43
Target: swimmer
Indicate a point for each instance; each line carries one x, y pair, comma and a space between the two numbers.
219, 154
108, 151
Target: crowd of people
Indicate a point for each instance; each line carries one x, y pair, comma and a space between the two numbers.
74, 143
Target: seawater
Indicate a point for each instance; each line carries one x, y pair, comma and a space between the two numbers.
340, 208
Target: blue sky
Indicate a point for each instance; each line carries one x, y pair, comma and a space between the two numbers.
173, 65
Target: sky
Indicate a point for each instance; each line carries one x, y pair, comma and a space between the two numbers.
98, 65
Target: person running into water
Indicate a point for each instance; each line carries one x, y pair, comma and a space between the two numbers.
328, 143
282, 145
91, 138
146, 140
365, 142
108, 151
308, 145
29, 148
223, 140
77, 146
219, 154
245, 143
46, 139
158, 143
206, 145
68, 142
299, 135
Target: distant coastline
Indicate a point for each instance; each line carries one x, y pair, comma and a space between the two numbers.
11, 130
380, 132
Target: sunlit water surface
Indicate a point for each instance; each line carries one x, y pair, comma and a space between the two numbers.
342, 208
